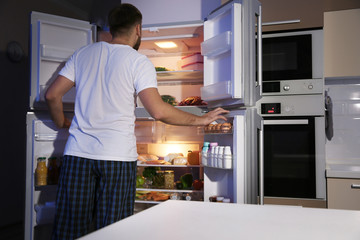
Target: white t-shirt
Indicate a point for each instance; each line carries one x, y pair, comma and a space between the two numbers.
107, 78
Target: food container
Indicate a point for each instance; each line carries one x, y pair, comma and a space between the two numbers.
192, 58
193, 158
169, 179
193, 66
159, 179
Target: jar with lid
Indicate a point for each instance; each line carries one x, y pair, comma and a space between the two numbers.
53, 171
41, 172
169, 179
159, 179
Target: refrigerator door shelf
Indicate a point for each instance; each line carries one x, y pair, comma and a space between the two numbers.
216, 91
240, 183
217, 45
230, 51
53, 40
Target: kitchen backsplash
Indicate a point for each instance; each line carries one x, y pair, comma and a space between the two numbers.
344, 146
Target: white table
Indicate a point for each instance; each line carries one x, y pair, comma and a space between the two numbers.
205, 221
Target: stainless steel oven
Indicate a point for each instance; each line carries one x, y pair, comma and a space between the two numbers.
294, 146
292, 62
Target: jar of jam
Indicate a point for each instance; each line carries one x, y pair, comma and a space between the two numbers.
169, 179
41, 172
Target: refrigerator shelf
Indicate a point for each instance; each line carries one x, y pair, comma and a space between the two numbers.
46, 187
169, 190
175, 166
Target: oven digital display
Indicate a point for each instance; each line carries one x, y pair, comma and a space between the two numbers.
270, 108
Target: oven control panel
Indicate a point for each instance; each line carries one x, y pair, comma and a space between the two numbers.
291, 105
270, 108
293, 87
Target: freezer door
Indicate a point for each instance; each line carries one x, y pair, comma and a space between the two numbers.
240, 183
53, 40
230, 54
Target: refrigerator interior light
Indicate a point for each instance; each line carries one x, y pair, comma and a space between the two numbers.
166, 44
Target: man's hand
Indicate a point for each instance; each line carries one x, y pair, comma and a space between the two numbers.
214, 115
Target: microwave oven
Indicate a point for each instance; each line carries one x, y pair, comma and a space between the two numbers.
292, 62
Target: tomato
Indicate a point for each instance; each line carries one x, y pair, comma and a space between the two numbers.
198, 184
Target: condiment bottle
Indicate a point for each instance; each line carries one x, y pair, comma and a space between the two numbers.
41, 172
53, 171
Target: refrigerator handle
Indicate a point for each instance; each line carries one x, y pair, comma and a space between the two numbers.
259, 39
261, 163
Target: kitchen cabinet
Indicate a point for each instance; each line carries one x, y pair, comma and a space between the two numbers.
300, 14
341, 43
163, 11
343, 193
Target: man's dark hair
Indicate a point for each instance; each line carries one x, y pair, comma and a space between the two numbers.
122, 18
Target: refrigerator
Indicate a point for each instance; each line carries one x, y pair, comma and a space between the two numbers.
228, 76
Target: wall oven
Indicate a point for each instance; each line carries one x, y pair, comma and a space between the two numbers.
289, 56
294, 146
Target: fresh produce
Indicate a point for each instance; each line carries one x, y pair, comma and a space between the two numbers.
169, 99
197, 184
189, 101
186, 180
140, 180
161, 69
150, 172
179, 185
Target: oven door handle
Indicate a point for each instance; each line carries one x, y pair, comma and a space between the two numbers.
287, 122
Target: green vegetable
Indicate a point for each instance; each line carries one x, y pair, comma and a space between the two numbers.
158, 69
140, 180
179, 185
186, 180
169, 99
150, 172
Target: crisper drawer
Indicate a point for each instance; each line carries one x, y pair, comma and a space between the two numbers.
343, 193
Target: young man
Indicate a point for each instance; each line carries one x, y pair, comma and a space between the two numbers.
98, 176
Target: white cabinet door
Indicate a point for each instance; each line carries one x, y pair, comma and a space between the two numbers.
53, 40
230, 59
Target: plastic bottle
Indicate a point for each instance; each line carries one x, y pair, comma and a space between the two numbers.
227, 158
212, 154
220, 158
215, 157
204, 153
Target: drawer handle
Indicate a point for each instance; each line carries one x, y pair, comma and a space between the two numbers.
355, 186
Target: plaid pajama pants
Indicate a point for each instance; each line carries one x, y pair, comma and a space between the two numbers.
92, 193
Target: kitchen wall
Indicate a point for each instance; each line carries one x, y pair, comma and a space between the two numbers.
343, 147
14, 16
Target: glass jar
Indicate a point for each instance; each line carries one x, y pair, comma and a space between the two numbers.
53, 171
41, 172
159, 179
169, 179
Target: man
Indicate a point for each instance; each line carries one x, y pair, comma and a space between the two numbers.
98, 176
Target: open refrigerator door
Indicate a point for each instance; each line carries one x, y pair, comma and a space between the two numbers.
45, 146
53, 40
